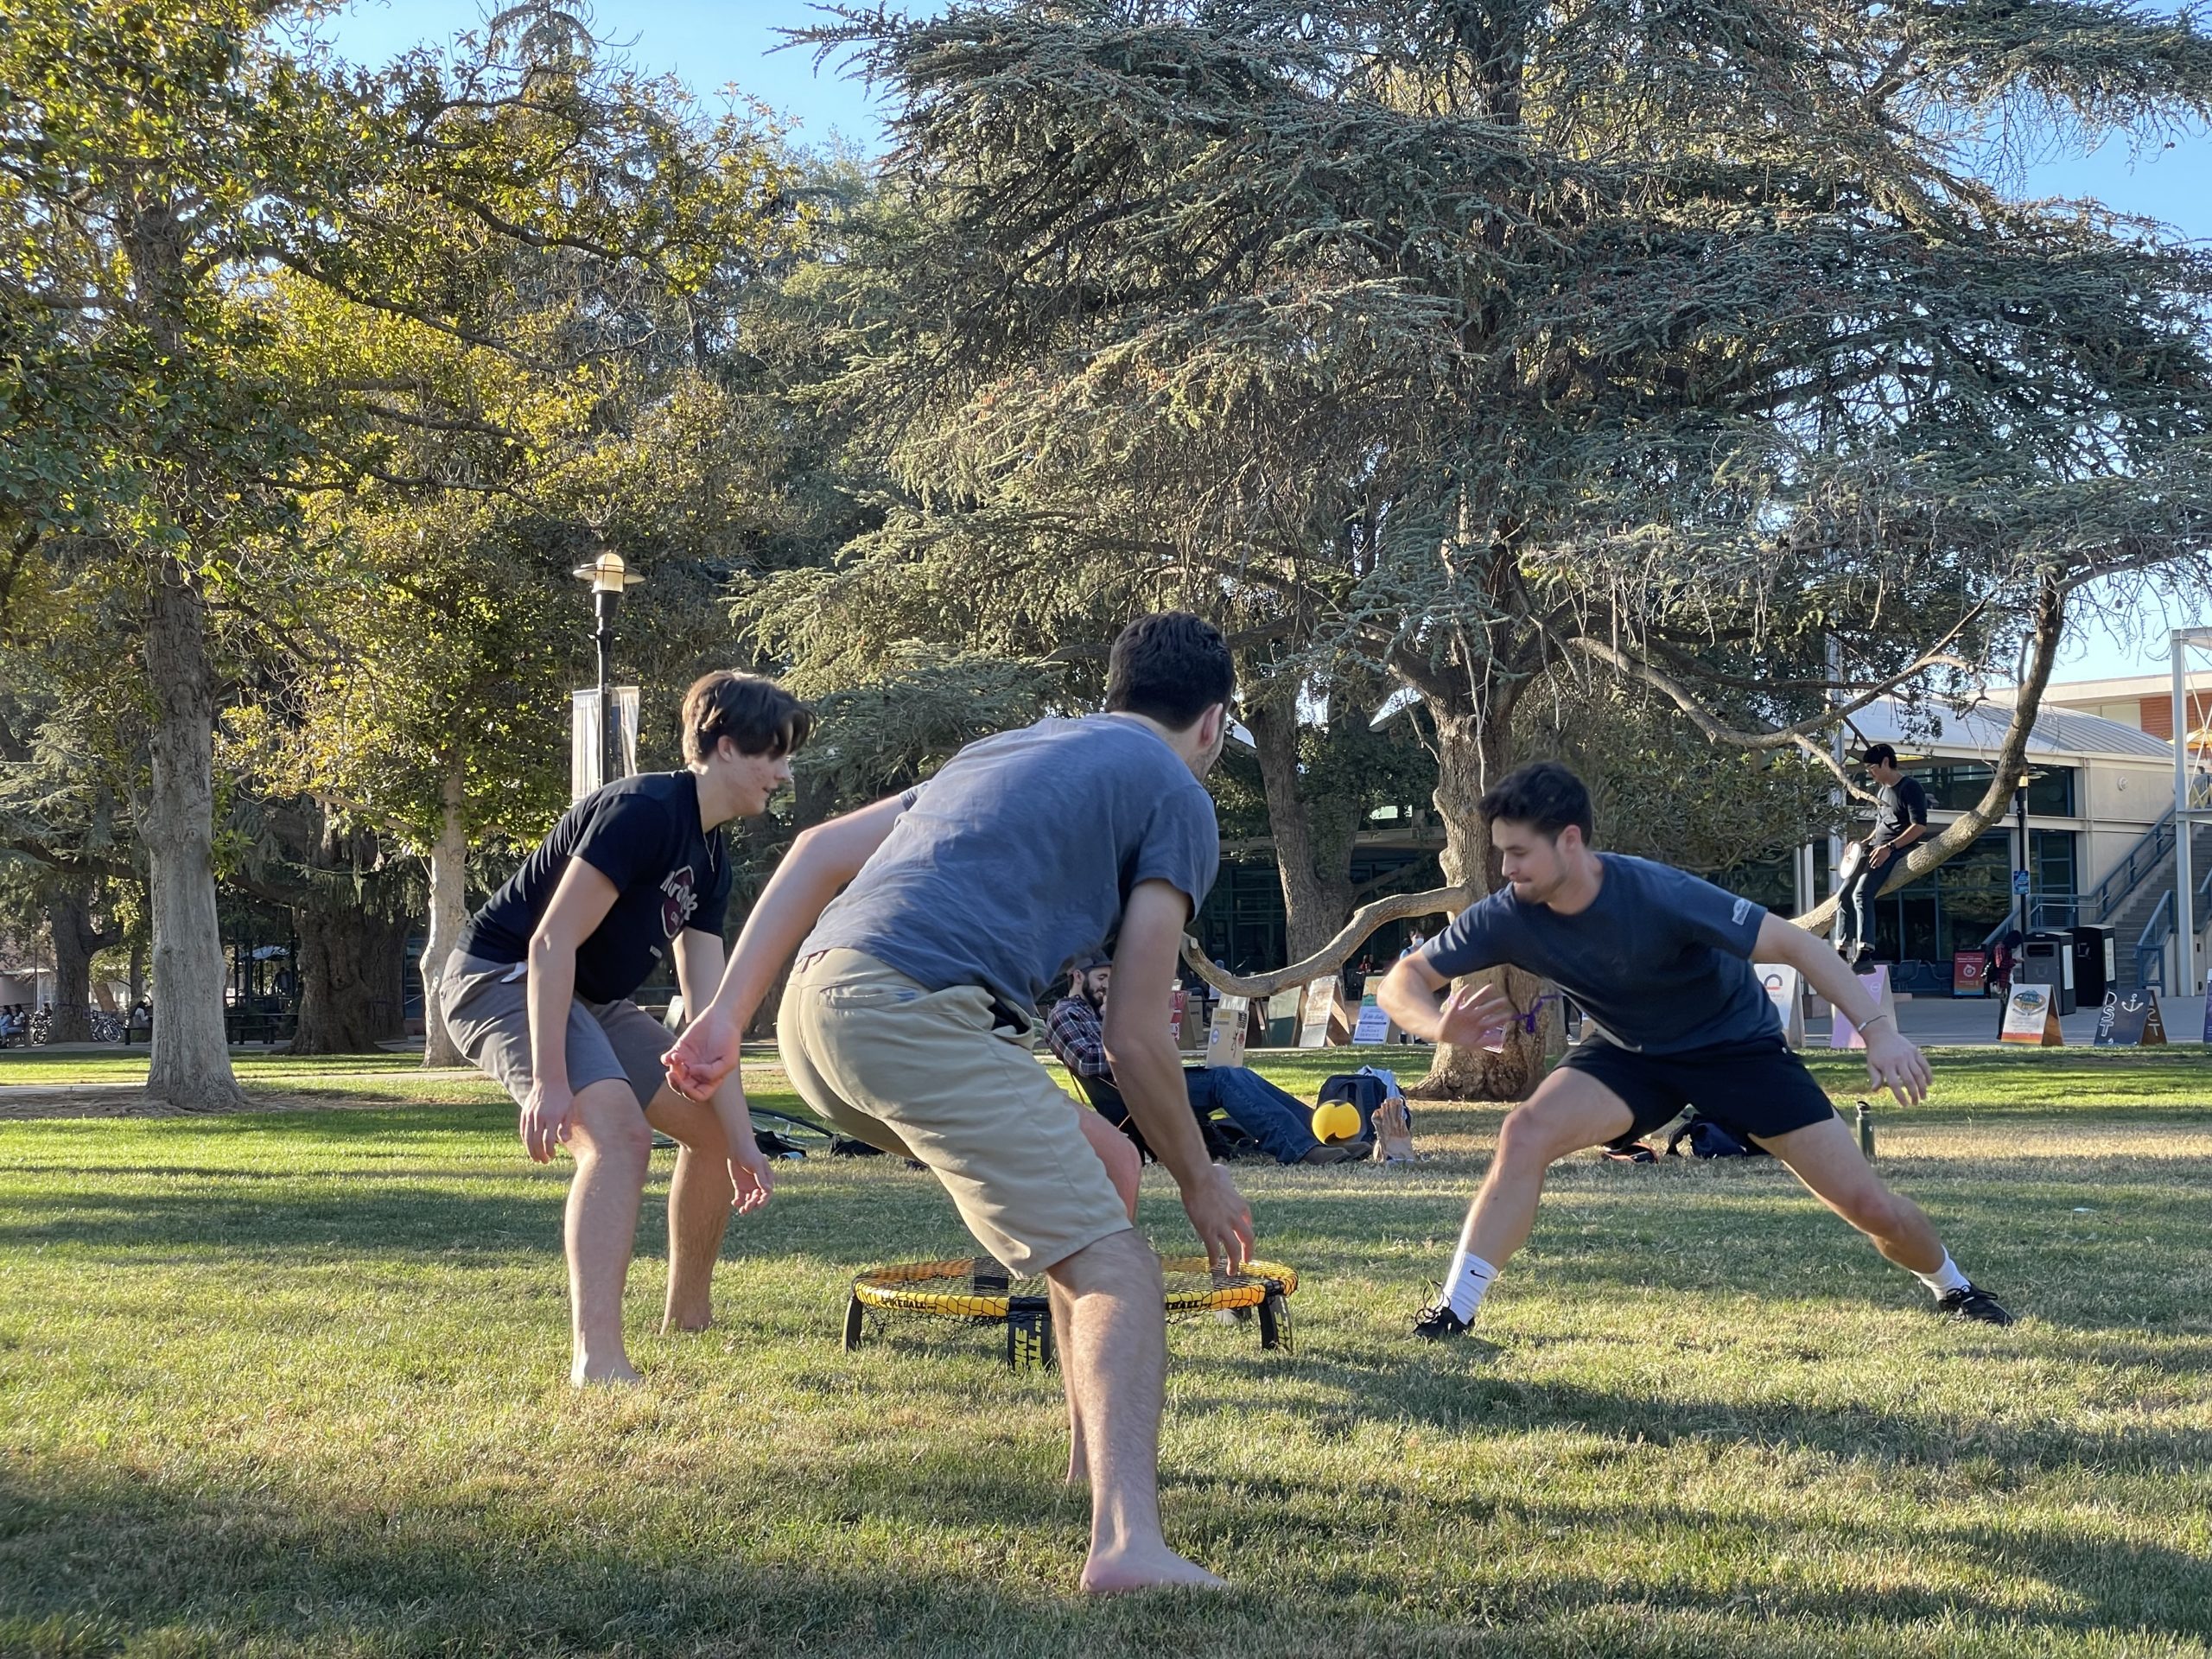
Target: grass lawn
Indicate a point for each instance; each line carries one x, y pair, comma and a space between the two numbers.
291, 1383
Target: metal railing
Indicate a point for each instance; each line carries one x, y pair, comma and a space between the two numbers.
2143, 860
2151, 946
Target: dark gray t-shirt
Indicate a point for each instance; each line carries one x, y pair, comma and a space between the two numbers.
1897, 807
1022, 852
1659, 960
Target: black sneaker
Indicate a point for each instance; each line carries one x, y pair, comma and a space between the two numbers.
1438, 1321
1968, 1303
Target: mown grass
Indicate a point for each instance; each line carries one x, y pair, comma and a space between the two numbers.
289, 1383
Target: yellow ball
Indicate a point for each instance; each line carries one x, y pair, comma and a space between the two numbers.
1336, 1120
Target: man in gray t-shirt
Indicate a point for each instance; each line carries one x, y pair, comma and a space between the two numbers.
906, 1022
1661, 962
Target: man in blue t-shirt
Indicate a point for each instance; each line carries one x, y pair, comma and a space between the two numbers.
1661, 964
536, 994
905, 1022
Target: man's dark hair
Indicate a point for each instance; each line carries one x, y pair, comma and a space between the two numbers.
1545, 794
1879, 754
757, 714
1171, 667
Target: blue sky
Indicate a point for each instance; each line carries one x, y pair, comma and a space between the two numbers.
712, 45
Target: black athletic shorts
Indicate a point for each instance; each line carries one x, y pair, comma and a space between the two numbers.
1758, 1087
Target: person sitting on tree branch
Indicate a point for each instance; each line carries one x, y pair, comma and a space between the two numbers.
1661, 964
1900, 819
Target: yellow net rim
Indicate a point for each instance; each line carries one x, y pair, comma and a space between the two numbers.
904, 1286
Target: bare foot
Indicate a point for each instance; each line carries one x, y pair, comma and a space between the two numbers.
586, 1375
1156, 1568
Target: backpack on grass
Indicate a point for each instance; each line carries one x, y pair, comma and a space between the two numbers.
1710, 1140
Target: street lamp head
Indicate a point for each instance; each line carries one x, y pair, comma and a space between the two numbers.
607, 574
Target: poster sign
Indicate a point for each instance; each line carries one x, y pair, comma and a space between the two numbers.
1785, 989
1374, 1025
1283, 1010
1179, 1002
1225, 1041
1875, 982
1320, 1024
2031, 1017
1970, 974
2130, 1021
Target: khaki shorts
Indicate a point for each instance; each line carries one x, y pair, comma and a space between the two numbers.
925, 1074
486, 1011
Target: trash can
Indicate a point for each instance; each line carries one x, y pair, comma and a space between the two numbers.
2047, 958
2093, 965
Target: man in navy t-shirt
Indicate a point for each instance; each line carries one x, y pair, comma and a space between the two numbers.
1661, 964
536, 994
906, 1022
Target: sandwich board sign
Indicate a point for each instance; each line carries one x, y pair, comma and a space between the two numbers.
2030, 1018
1785, 991
1284, 1008
1225, 1041
1374, 1025
1319, 1023
1875, 982
1179, 1002
2130, 1021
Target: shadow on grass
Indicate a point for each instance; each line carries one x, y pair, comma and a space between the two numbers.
99, 1562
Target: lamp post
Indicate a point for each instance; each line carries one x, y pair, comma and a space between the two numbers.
2020, 817
609, 578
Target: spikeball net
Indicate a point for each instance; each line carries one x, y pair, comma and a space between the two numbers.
976, 1290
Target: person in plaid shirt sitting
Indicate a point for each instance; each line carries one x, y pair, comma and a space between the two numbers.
1280, 1122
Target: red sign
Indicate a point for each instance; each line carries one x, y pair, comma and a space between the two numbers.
1970, 974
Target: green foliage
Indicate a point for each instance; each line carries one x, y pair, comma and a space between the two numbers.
895, 728
1679, 342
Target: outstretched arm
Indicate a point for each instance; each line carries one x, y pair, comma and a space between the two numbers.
1891, 1062
1149, 1072
1412, 994
820, 861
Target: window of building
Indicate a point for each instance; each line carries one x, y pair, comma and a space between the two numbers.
1956, 786
1958, 904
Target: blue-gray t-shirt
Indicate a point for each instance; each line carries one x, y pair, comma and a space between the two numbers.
1022, 853
1660, 959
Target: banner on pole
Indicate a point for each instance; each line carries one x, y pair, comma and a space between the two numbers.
586, 742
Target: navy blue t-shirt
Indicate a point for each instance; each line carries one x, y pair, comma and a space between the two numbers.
1660, 959
1022, 852
643, 835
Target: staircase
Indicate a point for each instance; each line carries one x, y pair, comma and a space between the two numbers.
2156, 883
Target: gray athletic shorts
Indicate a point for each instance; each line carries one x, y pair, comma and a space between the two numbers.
483, 1006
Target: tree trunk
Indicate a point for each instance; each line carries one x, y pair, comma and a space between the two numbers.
349, 965
1315, 904
69, 919
449, 913
190, 1068
1472, 752
138, 972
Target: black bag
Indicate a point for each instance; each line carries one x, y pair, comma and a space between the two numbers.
1710, 1140
1365, 1092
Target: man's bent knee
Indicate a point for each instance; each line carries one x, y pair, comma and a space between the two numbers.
1121, 1262
609, 1126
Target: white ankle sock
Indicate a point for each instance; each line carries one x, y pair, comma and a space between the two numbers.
1945, 1280
1463, 1286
